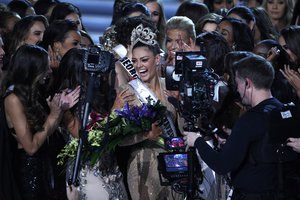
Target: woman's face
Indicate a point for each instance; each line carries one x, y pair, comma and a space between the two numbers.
36, 33
11, 23
73, 39
218, 4
292, 56
155, 11
173, 39
225, 28
85, 42
276, 9
261, 50
75, 18
145, 62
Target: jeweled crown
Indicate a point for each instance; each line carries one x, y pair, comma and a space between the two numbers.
144, 35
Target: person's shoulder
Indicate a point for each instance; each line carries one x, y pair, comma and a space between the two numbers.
11, 99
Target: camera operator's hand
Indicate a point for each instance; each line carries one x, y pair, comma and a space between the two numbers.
294, 143
190, 138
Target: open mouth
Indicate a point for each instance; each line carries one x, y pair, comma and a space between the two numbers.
143, 72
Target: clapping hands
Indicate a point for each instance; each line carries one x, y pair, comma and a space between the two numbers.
63, 101
293, 77
69, 98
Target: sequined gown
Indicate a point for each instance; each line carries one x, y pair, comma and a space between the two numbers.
32, 173
104, 181
142, 174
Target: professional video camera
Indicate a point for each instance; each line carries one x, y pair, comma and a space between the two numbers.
195, 82
174, 167
97, 61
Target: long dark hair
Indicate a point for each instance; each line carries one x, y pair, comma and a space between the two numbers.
71, 73
27, 72
216, 47
291, 36
242, 35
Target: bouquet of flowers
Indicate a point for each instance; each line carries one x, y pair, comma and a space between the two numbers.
105, 133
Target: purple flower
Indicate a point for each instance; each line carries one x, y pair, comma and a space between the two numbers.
135, 113
125, 112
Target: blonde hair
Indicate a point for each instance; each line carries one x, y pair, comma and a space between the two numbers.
288, 13
183, 23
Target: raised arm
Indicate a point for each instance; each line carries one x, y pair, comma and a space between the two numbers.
16, 118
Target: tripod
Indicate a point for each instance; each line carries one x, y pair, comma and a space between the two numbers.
83, 133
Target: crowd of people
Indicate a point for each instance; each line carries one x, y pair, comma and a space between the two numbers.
252, 46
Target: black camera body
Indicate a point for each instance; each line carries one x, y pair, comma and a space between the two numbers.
173, 165
195, 81
176, 165
96, 60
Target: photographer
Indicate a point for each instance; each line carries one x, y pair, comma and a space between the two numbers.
254, 77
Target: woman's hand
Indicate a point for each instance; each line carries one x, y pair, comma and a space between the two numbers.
124, 96
69, 98
272, 54
293, 77
54, 60
54, 105
184, 46
154, 133
72, 192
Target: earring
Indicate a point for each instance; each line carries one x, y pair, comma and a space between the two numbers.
57, 54
233, 46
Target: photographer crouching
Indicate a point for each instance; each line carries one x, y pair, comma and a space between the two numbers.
251, 180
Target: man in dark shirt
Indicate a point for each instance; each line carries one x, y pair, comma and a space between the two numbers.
251, 180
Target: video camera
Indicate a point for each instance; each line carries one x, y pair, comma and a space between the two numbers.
195, 81
173, 165
97, 61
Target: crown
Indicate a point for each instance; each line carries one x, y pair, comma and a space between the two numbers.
144, 35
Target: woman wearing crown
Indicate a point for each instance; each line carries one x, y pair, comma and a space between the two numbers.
143, 177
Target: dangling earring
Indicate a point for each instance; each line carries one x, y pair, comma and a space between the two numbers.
233, 46
57, 54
